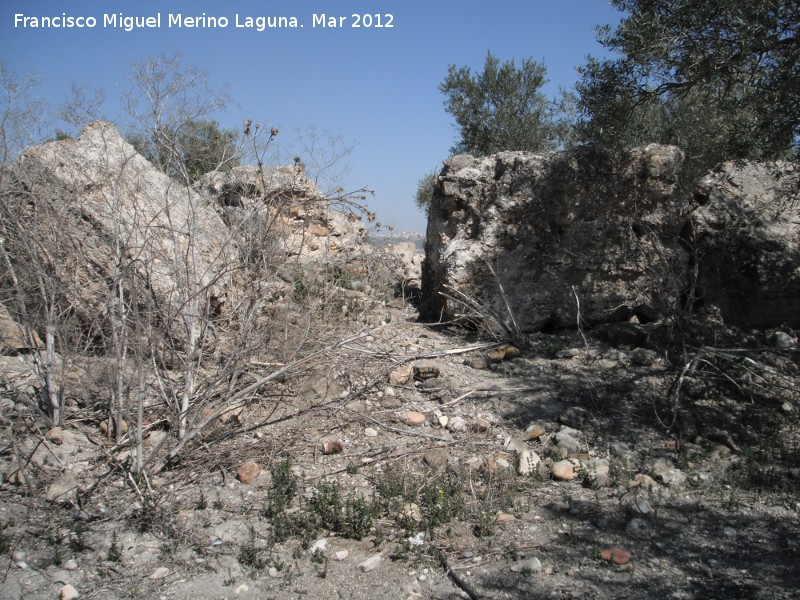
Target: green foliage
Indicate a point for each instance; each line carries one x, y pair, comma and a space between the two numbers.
719, 79
5, 539
349, 517
114, 552
425, 188
190, 150
250, 555
501, 108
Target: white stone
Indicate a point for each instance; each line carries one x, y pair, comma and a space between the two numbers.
68, 593
159, 573
370, 564
529, 461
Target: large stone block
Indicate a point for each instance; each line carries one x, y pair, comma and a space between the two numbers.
550, 228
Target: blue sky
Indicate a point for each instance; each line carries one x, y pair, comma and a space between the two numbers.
376, 87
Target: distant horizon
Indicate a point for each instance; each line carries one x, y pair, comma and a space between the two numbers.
374, 87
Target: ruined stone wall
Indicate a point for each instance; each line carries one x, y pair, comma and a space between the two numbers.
548, 227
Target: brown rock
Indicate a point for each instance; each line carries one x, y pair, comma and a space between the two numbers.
643, 481
435, 457
13, 337
401, 375
616, 555
332, 447
412, 418
566, 470
481, 425
426, 372
111, 423
503, 352
496, 462
480, 362
317, 230
68, 592
535, 430
247, 472
55, 435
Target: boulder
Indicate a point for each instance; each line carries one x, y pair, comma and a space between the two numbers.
534, 230
746, 237
93, 197
14, 338
283, 201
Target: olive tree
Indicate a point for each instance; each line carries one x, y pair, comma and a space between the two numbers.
720, 79
500, 108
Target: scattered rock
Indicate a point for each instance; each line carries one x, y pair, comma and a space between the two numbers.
529, 462
643, 357
423, 372
618, 556
55, 435
640, 506
481, 425
159, 573
413, 511
370, 432
332, 447
435, 457
340, 555
666, 473
504, 352
527, 566
566, 438
643, 481
71, 564
320, 545
401, 375
571, 445
782, 341
59, 490
412, 418
247, 472
568, 353
597, 472
68, 592
574, 416
110, 424
635, 526
456, 424
566, 470
480, 362
535, 430
370, 564
496, 462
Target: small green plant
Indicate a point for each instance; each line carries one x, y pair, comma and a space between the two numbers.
76, 542
320, 559
442, 500
167, 549
202, 503
5, 539
54, 540
250, 555
279, 499
218, 503
114, 552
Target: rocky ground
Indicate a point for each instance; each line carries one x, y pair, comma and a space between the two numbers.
421, 463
